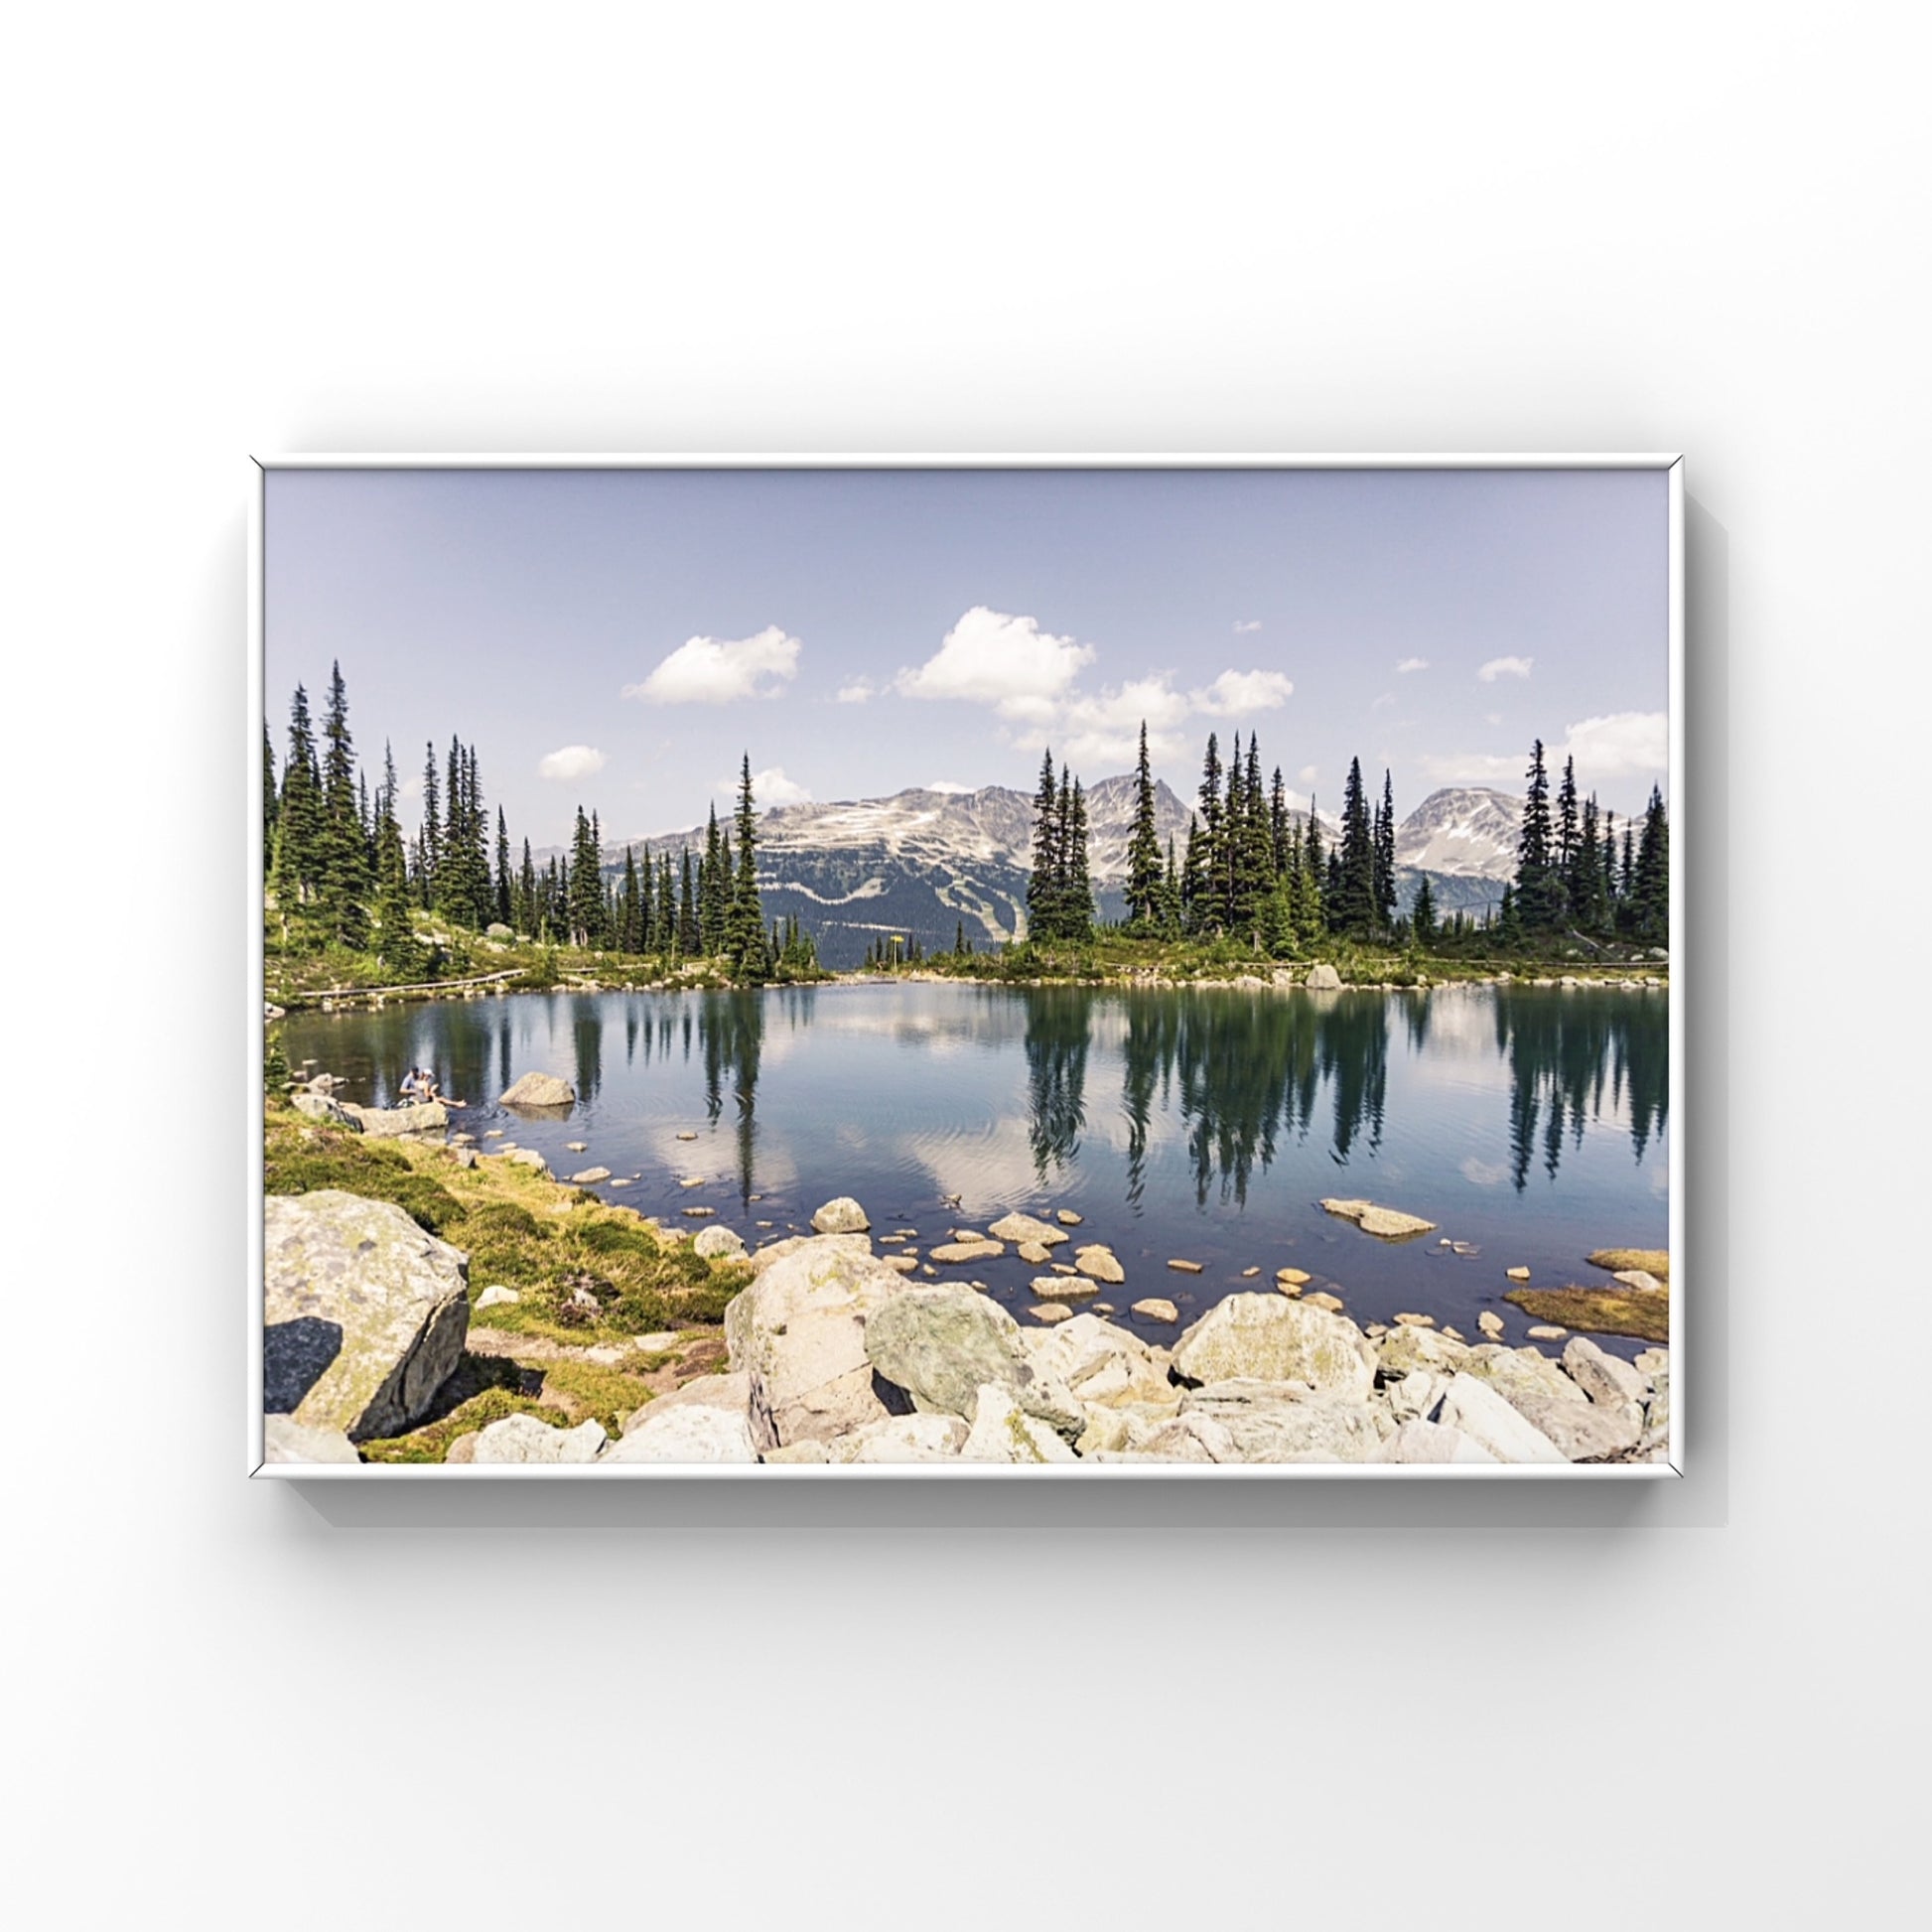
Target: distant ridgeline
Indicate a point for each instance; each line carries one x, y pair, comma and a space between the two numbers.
769, 892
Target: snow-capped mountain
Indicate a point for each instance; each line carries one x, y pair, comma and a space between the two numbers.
924, 863
1465, 831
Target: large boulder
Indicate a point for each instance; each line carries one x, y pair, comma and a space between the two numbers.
1267, 1338
944, 1345
706, 1421
526, 1439
538, 1090
1404, 1350
1098, 1365
1602, 1376
719, 1244
387, 1123
331, 1111
1323, 978
841, 1217
1270, 1423
1488, 1418
800, 1332
776, 1251
364, 1315
1003, 1432
1522, 1374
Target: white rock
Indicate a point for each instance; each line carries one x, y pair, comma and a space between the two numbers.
1003, 1432
1269, 1338
706, 1421
717, 1243
1428, 1441
901, 1439
285, 1440
1024, 1227
1602, 1376
496, 1297
1488, 1418
523, 1439
841, 1217
538, 1090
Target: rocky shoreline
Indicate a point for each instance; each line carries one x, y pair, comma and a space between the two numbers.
834, 1357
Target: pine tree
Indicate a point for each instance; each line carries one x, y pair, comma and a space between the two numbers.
1355, 910
396, 941
584, 889
271, 802
1509, 922
629, 935
1386, 854
527, 894
690, 929
505, 885
298, 817
1077, 914
744, 924
343, 856
1042, 898
1193, 878
1650, 898
1205, 907
1422, 916
1171, 910
429, 841
1539, 890
1143, 849
671, 935
1278, 824
1568, 829
1252, 869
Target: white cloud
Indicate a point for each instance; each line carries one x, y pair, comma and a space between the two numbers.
1504, 667
949, 785
1238, 694
1409, 664
991, 657
1620, 745
410, 790
717, 670
1246, 627
1104, 727
1309, 773
856, 692
769, 788
1625, 743
1383, 702
572, 761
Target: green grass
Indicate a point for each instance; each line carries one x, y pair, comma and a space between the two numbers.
1597, 1311
518, 1228
590, 1389
1619, 1261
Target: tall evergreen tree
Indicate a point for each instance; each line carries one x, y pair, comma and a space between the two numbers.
690, 929
745, 927
1042, 887
1422, 916
270, 801
1650, 898
527, 894
1567, 830
1315, 879
429, 841
505, 885
1385, 896
1076, 912
1143, 849
584, 889
1207, 904
343, 858
299, 818
1354, 913
1278, 824
1538, 901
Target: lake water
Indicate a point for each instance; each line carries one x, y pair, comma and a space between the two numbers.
1529, 1122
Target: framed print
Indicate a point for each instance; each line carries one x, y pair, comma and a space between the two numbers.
1026, 967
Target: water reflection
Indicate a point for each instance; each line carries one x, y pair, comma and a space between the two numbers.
1059, 1024
730, 1032
1571, 1057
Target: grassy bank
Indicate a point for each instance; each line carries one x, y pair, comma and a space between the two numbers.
1114, 958
609, 1310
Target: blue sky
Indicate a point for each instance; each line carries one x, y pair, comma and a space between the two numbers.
618, 638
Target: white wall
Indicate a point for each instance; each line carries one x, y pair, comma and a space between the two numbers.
1406, 227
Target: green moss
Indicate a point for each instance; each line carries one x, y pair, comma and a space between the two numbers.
1598, 1311
431, 1443
1619, 1261
590, 1389
299, 1158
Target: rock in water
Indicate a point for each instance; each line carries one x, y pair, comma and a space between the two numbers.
800, 1332
1387, 1224
330, 1113
960, 1251
715, 1244
538, 1090
1323, 979
364, 1315
1157, 1307
385, 1122
523, 1439
528, 1156
285, 1440
841, 1217
1023, 1227
1269, 1338
1100, 1263
590, 1176
1050, 1311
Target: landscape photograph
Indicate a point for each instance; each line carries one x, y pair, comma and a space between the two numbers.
1030, 971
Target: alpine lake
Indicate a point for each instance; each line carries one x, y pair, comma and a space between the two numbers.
1203, 1124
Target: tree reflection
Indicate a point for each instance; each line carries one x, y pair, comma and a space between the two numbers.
730, 1032
1570, 1055
1058, 1025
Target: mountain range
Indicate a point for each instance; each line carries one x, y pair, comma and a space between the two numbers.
922, 863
